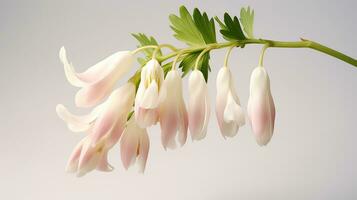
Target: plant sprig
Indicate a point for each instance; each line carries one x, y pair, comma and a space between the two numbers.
197, 30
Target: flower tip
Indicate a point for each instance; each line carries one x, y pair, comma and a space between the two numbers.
62, 54
61, 110
70, 168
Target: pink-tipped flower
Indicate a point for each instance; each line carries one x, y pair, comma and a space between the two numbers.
173, 114
99, 80
229, 113
86, 158
149, 94
199, 106
105, 121
105, 125
134, 145
261, 109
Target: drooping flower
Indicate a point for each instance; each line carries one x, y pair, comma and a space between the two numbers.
105, 125
134, 145
86, 157
199, 106
172, 111
229, 113
99, 80
261, 109
149, 94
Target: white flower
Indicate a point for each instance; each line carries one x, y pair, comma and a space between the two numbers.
261, 109
134, 145
173, 114
105, 125
149, 94
199, 106
99, 80
229, 113
86, 158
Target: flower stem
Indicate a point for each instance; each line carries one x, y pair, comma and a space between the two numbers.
272, 44
262, 55
226, 58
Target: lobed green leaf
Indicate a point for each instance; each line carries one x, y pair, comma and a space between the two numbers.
230, 29
185, 28
205, 25
247, 20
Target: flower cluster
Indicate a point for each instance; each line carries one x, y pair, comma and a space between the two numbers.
124, 114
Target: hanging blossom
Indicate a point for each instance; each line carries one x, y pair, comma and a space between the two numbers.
261, 109
150, 94
172, 112
229, 112
98, 81
199, 106
134, 145
104, 126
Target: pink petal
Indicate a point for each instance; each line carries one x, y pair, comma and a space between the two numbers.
72, 164
103, 164
143, 151
198, 112
128, 146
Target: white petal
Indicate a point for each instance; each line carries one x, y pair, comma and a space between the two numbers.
115, 113
143, 150
78, 123
129, 143
150, 99
233, 111
261, 109
199, 108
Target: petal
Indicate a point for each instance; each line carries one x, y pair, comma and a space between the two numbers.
89, 158
77, 123
91, 95
144, 145
70, 73
233, 118
168, 111
261, 109
233, 111
119, 61
146, 117
169, 125
101, 88
72, 163
103, 164
129, 144
115, 113
150, 98
198, 112
183, 123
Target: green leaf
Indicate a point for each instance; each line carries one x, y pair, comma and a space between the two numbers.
247, 20
145, 41
189, 61
185, 28
205, 26
231, 29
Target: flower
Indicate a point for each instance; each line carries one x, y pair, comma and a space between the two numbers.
134, 145
86, 158
261, 109
229, 113
149, 94
172, 111
98, 81
199, 106
105, 125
